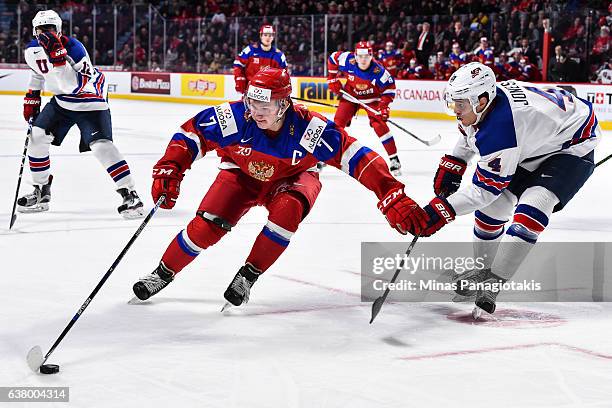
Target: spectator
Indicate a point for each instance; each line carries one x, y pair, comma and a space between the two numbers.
561, 68
425, 45
525, 50
601, 48
604, 73
460, 34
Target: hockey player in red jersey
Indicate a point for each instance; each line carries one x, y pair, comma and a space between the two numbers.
257, 56
368, 81
269, 150
529, 71
391, 58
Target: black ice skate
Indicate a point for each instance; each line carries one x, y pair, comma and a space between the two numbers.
395, 166
239, 290
36, 201
485, 299
151, 284
467, 281
132, 207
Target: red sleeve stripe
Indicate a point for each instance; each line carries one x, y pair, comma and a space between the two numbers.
490, 182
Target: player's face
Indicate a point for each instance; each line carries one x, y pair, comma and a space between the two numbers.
266, 39
363, 61
463, 111
265, 114
45, 28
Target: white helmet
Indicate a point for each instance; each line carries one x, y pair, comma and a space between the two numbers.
470, 82
47, 17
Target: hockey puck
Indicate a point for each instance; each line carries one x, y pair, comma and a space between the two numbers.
49, 369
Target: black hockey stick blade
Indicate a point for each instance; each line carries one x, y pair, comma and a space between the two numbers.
376, 306
13, 219
379, 301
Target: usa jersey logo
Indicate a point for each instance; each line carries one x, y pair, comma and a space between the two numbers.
226, 119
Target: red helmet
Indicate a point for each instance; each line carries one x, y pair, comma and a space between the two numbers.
266, 29
363, 47
269, 83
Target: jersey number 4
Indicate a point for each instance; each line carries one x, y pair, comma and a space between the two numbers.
495, 165
555, 95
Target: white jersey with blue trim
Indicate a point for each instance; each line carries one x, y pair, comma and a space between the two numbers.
76, 85
526, 124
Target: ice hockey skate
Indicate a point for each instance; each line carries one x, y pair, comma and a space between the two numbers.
38, 200
153, 283
132, 206
486, 297
395, 166
467, 280
239, 290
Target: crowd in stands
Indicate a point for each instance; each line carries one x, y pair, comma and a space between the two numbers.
418, 39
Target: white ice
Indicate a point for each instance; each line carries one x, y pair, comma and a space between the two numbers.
304, 339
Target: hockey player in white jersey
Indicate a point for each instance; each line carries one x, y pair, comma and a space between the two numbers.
61, 65
535, 151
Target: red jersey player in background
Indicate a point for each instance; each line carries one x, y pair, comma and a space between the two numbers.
257, 56
269, 150
368, 81
391, 58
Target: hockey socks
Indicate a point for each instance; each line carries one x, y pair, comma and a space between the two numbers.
389, 144
112, 160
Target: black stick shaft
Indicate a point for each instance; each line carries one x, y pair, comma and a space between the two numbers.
602, 161
378, 303
104, 278
315, 102
23, 156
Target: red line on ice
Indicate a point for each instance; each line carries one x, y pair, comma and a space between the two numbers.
504, 348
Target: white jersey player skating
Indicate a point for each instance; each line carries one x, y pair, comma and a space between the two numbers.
61, 66
534, 146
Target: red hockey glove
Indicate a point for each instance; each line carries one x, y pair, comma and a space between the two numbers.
241, 84
167, 181
448, 176
53, 44
334, 85
402, 212
31, 105
440, 213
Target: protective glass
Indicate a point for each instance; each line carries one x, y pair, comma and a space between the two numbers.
457, 106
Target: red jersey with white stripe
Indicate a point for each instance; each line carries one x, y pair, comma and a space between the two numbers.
370, 85
526, 124
253, 58
304, 139
76, 85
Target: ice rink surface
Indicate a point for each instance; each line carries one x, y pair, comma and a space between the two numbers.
304, 338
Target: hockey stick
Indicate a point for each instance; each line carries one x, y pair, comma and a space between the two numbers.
23, 156
378, 303
35, 357
431, 142
315, 102
602, 161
